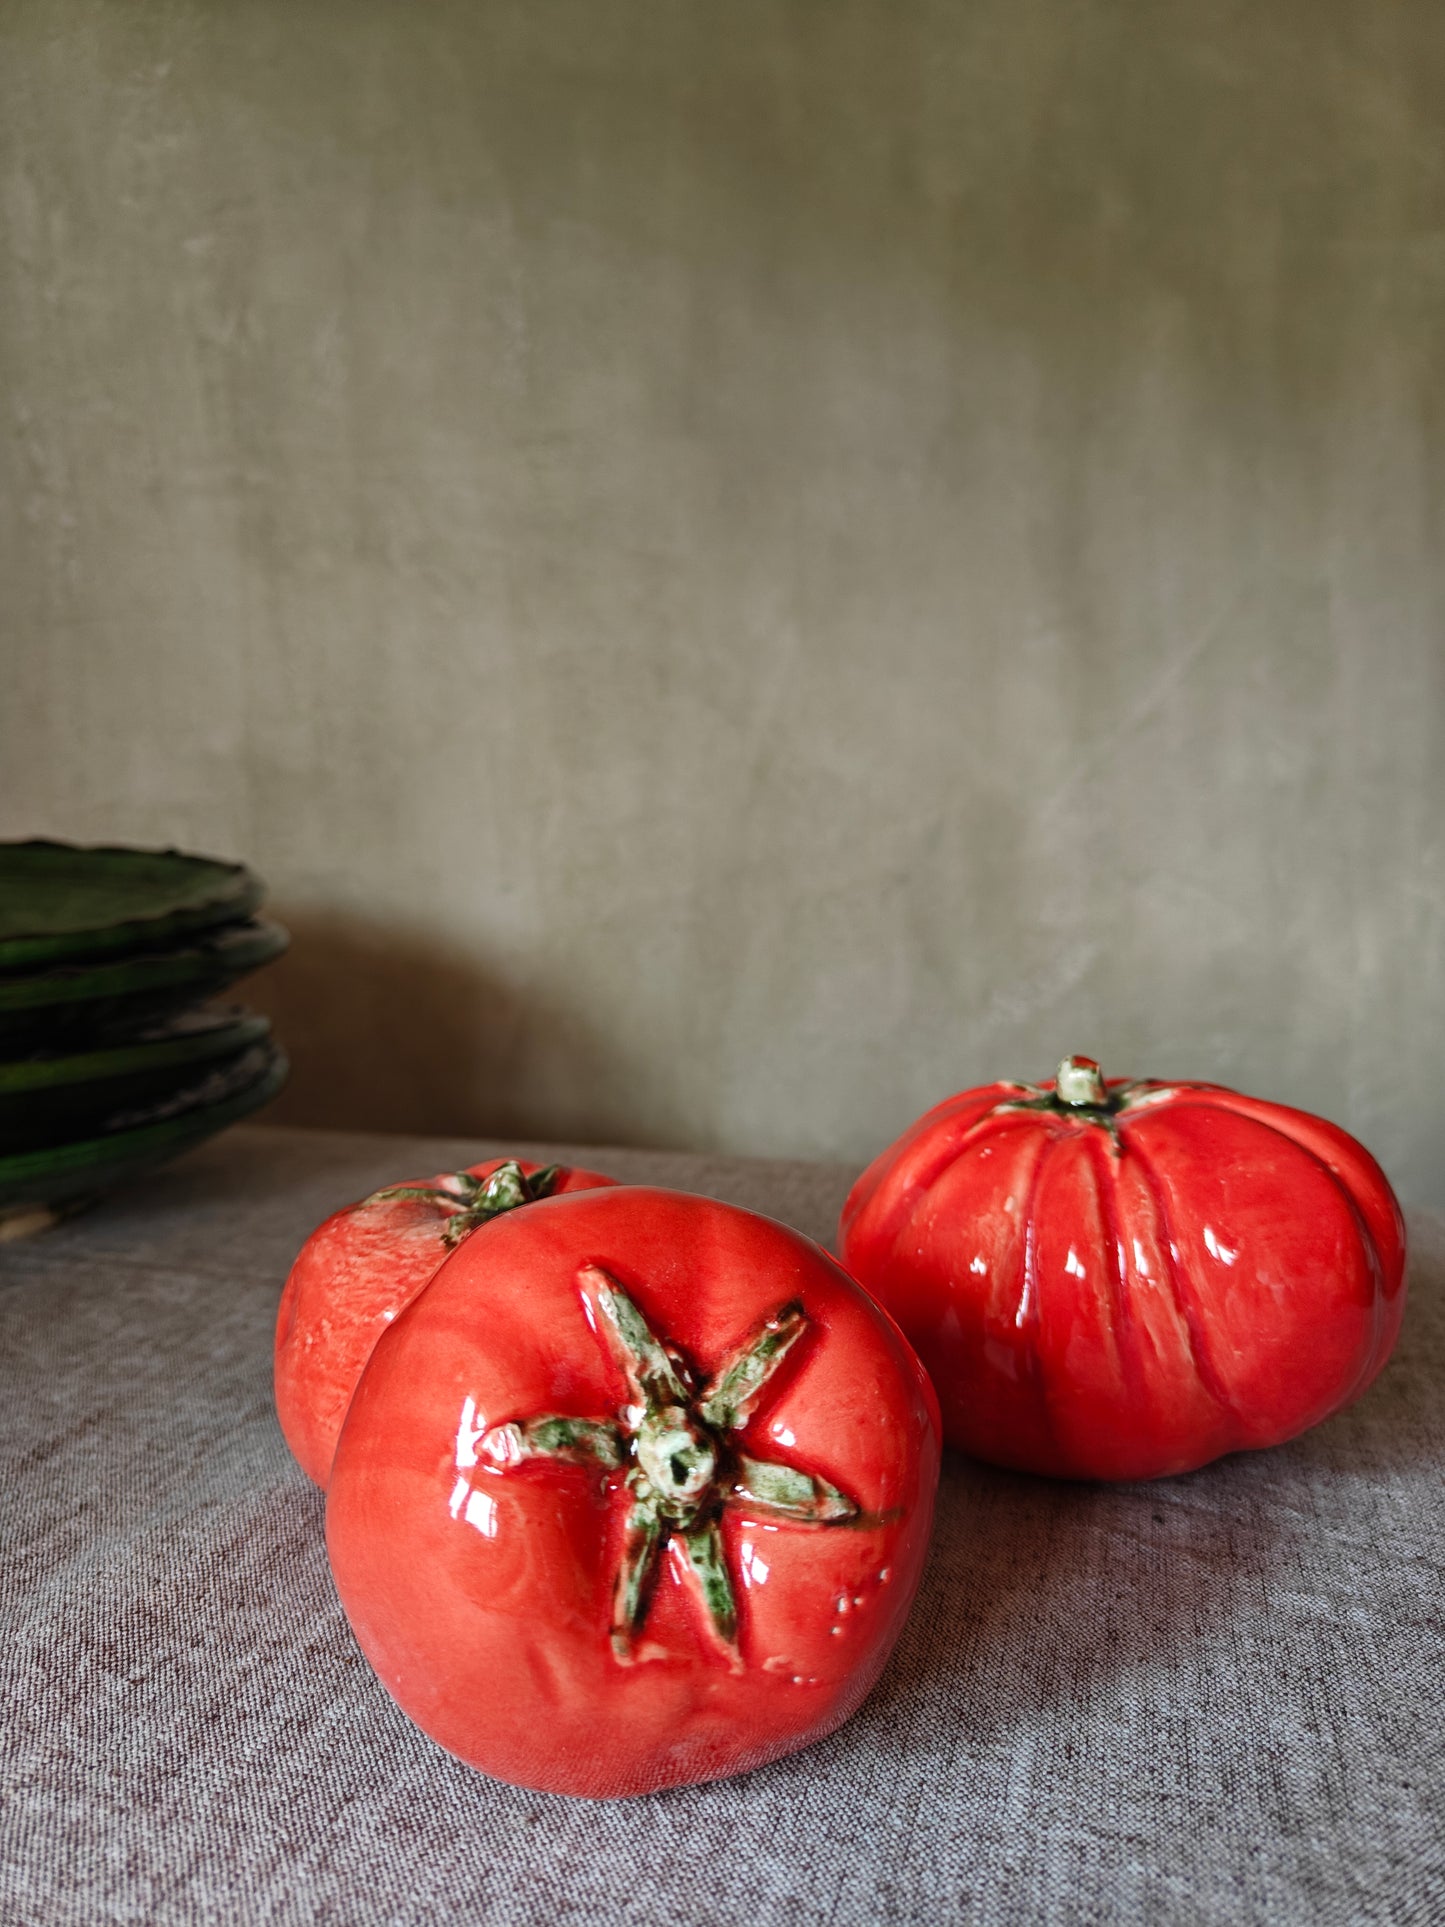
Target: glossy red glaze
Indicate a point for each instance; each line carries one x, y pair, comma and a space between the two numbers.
351, 1278
1130, 1294
483, 1593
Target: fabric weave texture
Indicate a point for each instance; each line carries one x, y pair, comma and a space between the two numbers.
1214, 1699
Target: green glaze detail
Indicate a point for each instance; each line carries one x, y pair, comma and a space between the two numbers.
641, 1542
652, 1377
677, 1458
704, 1548
503, 1190
786, 1493
731, 1397
583, 1441
471, 1201
684, 1464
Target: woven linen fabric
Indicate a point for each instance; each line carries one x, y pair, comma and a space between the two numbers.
1212, 1699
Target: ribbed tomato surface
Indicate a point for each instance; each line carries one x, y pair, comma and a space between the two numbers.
1119, 1281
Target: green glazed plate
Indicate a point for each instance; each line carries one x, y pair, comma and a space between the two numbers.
63, 903
79, 1003
47, 1100
68, 1173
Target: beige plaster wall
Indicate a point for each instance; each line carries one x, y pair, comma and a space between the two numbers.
739, 567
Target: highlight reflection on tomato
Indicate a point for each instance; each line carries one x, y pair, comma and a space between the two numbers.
362, 1267
1123, 1280
636, 1493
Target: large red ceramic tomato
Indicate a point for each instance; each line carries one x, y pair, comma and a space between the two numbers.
636, 1493
1125, 1280
364, 1265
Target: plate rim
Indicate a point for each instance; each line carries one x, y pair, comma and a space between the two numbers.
236, 896
141, 1144
72, 983
19, 1077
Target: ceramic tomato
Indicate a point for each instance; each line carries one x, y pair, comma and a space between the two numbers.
1118, 1281
636, 1493
363, 1266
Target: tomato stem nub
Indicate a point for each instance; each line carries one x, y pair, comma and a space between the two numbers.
1080, 1083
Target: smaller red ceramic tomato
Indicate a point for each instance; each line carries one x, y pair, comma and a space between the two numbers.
364, 1265
636, 1493
1119, 1281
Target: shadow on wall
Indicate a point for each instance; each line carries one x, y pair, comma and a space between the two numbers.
390, 1029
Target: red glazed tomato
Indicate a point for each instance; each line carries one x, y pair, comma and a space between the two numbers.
637, 1493
363, 1266
1126, 1280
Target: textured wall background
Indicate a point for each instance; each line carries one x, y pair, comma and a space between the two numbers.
740, 567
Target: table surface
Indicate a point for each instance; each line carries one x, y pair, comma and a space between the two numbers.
1212, 1699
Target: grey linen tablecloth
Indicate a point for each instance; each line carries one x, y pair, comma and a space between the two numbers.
1216, 1699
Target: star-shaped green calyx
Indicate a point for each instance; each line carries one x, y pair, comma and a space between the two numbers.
470, 1201
676, 1450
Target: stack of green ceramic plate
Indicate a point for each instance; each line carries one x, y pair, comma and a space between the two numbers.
110, 1059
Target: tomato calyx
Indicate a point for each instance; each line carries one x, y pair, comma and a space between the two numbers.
471, 1201
1080, 1092
676, 1448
